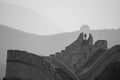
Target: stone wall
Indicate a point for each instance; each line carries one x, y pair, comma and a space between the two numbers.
28, 66
77, 53
96, 70
57, 64
101, 44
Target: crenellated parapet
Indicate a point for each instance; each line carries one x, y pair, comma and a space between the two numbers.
79, 51
101, 44
80, 45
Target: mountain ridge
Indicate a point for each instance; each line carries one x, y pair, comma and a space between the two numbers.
45, 45
25, 19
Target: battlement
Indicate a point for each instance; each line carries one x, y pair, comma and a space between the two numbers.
79, 52
52, 55
101, 44
79, 44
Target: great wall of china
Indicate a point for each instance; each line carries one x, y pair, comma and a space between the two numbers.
81, 60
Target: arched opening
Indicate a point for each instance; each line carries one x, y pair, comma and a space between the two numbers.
111, 72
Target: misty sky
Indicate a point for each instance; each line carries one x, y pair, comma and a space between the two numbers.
69, 15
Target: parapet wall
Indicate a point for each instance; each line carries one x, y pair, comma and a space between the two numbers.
78, 45
29, 66
79, 52
16, 55
101, 44
110, 56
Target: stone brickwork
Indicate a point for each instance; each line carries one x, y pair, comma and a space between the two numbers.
101, 44
75, 61
77, 53
28, 66
98, 67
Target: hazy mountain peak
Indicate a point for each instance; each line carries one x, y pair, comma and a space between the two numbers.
24, 19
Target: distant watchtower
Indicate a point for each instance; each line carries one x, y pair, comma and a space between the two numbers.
85, 29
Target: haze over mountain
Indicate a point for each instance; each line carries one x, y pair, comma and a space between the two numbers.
45, 45
68, 15
39, 17
19, 17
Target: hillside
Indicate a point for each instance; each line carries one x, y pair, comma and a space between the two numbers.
45, 45
22, 18
41, 45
